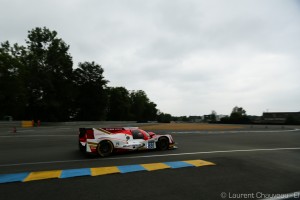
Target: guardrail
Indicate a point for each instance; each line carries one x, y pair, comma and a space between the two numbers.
23, 124
5, 124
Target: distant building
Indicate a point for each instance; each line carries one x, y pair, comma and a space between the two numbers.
196, 119
281, 117
255, 119
209, 118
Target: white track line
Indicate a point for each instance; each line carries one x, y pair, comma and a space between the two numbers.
152, 156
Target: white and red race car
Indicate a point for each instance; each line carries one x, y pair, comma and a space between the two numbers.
105, 141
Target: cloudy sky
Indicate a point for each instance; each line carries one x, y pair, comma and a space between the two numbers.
189, 56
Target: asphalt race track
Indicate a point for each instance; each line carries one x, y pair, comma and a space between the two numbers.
249, 164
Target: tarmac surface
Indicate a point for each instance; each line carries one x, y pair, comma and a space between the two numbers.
253, 163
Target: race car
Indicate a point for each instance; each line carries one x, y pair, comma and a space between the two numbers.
105, 141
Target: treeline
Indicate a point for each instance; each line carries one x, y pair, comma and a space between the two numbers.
237, 116
37, 81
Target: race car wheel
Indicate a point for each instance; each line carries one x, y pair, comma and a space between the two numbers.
81, 147
105, 148
162, 143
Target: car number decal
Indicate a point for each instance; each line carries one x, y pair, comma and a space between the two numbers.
151, 145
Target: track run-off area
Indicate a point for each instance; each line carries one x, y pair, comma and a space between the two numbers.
260, 162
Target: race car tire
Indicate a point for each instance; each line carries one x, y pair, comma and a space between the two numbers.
81, 147
105, 148
162, 143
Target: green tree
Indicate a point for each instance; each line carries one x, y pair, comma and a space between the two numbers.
92, 94
141, 107
150, 111
213, 116
119, 104
164, 117
13, 96
238, 115
50, 76
37, 81
184, 118
225, 120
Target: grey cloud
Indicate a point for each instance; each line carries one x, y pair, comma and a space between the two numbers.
190, 57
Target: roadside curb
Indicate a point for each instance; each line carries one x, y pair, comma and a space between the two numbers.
70, 173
